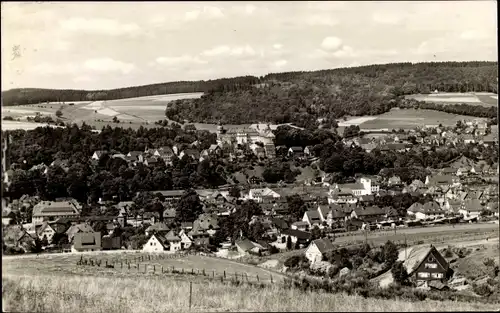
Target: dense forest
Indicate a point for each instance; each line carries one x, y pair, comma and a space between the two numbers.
34, 95
304, 97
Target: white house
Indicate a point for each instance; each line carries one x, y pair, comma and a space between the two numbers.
317, 249
46, 231
312, 218
429, 210
471, 208
156, 243
186, 242
98, 154
257, 194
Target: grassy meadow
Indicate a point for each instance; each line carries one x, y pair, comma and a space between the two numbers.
44, 293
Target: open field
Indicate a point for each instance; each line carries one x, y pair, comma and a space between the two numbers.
482, 98
44, 293
428, 234
403, 118
65, 264
134, 112
13, 125
411, 118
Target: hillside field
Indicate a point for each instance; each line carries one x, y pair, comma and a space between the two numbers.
485, 99
71, 293
131, 112
405, 119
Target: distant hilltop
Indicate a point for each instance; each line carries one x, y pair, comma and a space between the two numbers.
462, 70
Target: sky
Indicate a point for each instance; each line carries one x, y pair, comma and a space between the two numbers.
102, 45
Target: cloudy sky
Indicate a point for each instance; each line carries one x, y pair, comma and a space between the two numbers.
108, 45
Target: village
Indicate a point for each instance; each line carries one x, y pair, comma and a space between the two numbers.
310, 215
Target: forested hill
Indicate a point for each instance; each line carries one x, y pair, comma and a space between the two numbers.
303, 97
36, 95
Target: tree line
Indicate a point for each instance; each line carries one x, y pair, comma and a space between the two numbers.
304, 97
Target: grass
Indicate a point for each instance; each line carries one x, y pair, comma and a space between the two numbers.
410, 118
44, 293
481, 99
65, 264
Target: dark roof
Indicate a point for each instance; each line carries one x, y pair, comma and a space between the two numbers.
279, 223
296, 233
313, 215
169, 193
245, 244
296, 149
371, 210
335, 214
324, 245
473, 205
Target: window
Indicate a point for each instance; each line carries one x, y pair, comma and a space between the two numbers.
431, 265
437, 275
430, 259
423, 275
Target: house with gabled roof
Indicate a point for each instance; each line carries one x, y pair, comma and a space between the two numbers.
78, 228
156, 243
295, 235
370, 213
312, 218
86, 242
471, 208
52, 210
98, 154
426, 264
257, 194
318, 249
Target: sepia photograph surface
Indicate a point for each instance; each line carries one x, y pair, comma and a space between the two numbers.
250, 156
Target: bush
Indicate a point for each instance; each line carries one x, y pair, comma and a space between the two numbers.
399, 273
482, 290
297, 261
274, 250
489, 262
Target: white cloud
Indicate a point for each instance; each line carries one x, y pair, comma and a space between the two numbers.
331, 43
99, 26
180, 60
208, 12
277, 46
108, 65
345, 51
236, 51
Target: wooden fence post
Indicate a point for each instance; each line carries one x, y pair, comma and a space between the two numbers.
271, 279
224, 274
154, 268
129, 265
192, 271
213, 273
190, 293
257, 278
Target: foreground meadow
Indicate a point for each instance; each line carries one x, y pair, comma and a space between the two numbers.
43, 293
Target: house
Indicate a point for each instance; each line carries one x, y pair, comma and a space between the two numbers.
425, 211
156, 243
308, 151
192, 153
295, 235
157, 228
18, 237
394, 180
186, 242
442, 180
296, 152
362, 187
426, 264
342, 196
86, 242
258, 194
8, 217
78, 228
53, 210
135, 156
171, 196
471, 208
301, 225
370, 213
334, 216
312, 218
206, 222
317, 249
98, 154
169, 215
186, 226
449, 171
245, 246
174, 241
151, 161
48, 231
